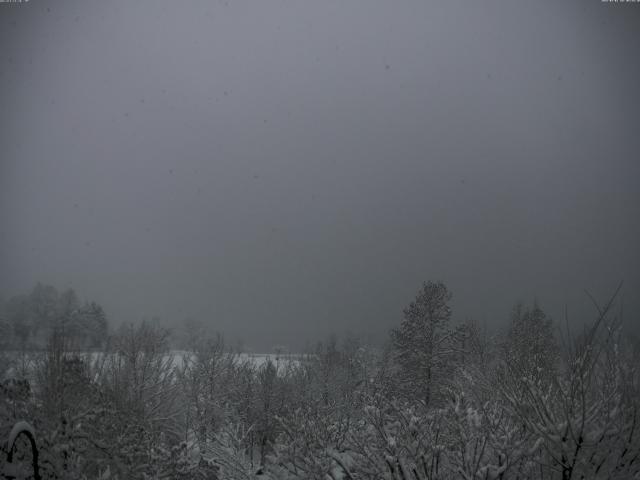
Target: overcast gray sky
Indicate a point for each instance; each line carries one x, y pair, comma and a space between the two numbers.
287, 169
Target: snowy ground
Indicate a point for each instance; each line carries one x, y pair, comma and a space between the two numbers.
14, 365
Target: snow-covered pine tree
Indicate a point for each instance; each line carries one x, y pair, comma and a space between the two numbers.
530, 349
422, 343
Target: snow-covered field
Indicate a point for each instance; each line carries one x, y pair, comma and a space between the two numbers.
14, 364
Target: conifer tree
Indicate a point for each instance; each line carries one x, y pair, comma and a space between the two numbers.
422, 343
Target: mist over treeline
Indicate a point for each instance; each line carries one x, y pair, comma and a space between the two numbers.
27, 320
286, 170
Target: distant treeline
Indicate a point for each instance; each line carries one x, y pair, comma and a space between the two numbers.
27, 321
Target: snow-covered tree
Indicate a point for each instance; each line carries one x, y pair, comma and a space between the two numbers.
529, 348
584, 421
423, 342
207, 379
